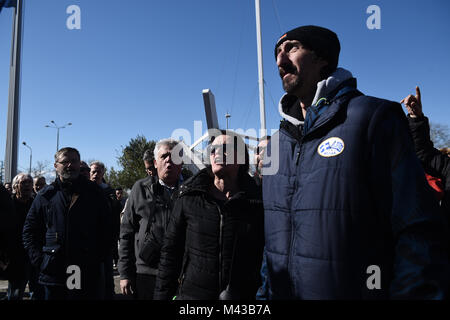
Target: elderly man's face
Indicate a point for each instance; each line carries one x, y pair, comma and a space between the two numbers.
299, 68
85, 171
25, 188
39, 184
68, 166
150, 168
8, 187
97, 174
168, 172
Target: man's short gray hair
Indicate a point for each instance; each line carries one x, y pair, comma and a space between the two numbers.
169, 142
98, 164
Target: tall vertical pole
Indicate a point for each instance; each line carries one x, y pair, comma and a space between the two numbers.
262, 107
14, 95
57, 139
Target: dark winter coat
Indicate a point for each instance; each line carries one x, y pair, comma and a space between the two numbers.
211, 245
6, 230
142, 229
350, 204
115, 208
19, 267
69, 225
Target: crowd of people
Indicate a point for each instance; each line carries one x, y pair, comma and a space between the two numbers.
358, 208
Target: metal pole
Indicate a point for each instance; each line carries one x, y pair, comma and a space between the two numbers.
57, 139
14, 96
262, 108
31, 154
54, 125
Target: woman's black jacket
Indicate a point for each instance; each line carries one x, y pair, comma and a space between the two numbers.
211, 246
435, 163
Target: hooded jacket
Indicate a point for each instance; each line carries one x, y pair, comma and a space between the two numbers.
349, 214
211, 246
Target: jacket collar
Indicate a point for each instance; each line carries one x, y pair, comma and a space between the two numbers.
289, 105
203, 180
70, 186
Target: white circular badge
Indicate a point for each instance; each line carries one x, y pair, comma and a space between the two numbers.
331, 147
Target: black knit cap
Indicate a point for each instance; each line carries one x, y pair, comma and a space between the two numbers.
322, 41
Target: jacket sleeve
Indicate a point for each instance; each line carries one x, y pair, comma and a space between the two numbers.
34, 232
433, 160
172, 254
127, 258
419, 231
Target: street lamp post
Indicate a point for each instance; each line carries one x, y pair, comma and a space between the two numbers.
54, 125
31, 154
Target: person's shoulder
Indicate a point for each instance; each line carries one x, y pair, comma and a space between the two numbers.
48, 192
375, 108
91, 189
370, 101
90, 185
142, 183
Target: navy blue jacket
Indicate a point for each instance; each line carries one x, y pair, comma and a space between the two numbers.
61, 231
350, 194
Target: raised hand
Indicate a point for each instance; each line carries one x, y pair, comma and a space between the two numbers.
413, 104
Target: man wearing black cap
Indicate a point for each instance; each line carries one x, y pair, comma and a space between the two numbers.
349, 214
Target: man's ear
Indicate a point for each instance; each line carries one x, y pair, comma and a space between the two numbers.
54, 165
154, 163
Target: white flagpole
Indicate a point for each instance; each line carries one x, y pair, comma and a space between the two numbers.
262, 108
14, 96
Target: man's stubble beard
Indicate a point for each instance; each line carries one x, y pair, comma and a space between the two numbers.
69, 176
292, 86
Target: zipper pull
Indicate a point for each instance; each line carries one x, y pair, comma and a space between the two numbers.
298, 158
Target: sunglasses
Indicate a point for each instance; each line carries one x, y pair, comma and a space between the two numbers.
221, 148
66, 162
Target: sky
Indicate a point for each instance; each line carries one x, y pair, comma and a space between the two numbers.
138, 67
